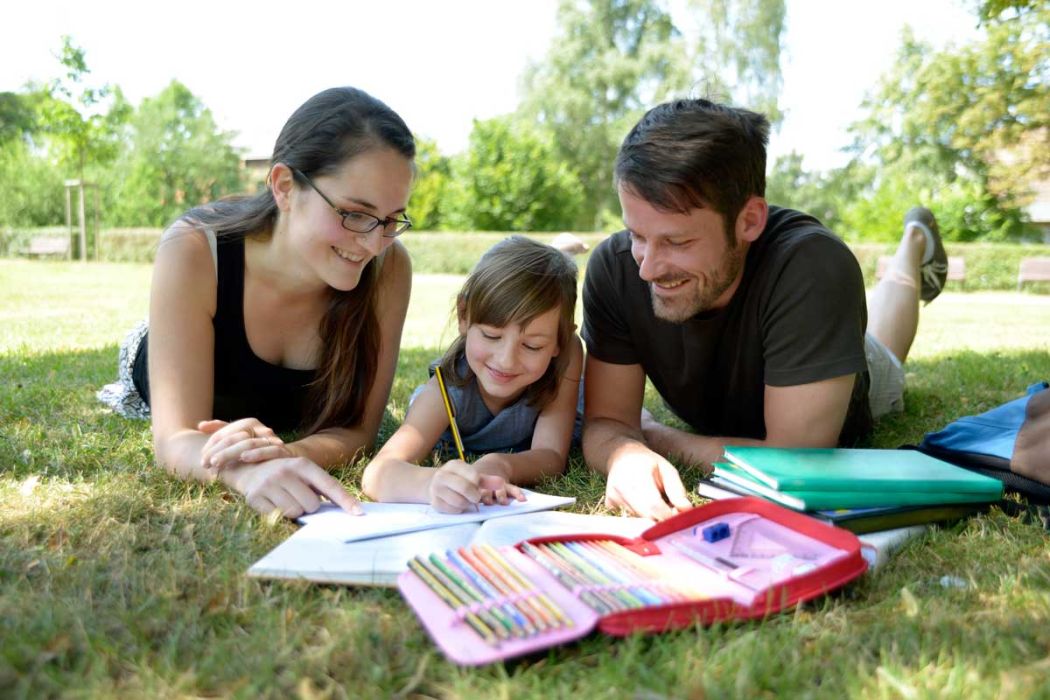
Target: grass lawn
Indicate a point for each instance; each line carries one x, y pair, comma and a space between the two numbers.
116, 580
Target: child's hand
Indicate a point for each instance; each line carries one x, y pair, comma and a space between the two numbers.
495, 471
494, 463
242, 442
495, 489
457, 487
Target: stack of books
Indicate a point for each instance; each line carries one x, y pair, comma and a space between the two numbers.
860, 490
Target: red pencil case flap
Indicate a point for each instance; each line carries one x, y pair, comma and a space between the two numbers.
814, 558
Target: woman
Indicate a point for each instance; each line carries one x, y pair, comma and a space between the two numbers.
283, 311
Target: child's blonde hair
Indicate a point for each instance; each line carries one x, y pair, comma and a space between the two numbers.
515, 281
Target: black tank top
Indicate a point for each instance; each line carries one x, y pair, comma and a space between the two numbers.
245, 385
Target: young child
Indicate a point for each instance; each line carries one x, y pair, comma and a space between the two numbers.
513, 376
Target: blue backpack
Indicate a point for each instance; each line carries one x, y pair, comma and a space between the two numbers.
1011, 443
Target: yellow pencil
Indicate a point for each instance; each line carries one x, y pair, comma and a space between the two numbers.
451, 414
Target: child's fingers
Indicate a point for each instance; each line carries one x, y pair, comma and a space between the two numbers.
456, 492
210, 426
515, 492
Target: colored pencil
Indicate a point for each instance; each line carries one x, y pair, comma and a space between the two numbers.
563, 559
610, 573
463, 599
434, 585
596, 576
525, 585
478, 577
496, 579
468, 587
566, 579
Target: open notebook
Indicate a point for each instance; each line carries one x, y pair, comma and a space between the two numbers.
319, 551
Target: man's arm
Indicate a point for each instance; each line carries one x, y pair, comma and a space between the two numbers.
807, 415
638, 479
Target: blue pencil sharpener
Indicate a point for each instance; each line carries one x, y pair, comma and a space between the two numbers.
716, 532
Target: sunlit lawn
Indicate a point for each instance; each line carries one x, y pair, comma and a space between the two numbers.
117, 580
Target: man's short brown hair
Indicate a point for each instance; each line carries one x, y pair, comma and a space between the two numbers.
689, 154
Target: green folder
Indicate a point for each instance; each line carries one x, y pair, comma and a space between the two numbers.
857, 520
816, 469
827, 500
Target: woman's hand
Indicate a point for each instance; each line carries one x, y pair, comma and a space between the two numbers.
457, 486
291, 485
244, 441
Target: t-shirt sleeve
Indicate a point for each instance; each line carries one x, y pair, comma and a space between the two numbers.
813, 326
605, 329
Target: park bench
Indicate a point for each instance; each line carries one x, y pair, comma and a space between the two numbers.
1033, 270
956, 268
46, 246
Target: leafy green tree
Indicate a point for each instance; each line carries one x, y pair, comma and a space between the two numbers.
32, 187
825, 195
735, 47
16, 118
613, 59
177, 158
427, 205
971, 120
82, 125
512, 179
610, 60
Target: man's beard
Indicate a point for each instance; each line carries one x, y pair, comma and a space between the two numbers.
683, 308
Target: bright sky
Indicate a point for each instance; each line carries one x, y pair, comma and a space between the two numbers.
439, 64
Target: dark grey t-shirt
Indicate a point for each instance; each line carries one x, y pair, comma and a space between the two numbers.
798, 316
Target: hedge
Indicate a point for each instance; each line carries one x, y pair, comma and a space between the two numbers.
989, 266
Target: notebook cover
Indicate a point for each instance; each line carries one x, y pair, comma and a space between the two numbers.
858, 520
822, 500
828, 469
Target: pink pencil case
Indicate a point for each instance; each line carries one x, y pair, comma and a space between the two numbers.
735, 559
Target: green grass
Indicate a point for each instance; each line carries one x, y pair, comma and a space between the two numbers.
116, 580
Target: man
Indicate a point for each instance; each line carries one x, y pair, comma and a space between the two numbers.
748, 319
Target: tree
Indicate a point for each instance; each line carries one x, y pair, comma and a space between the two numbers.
610, 60
735, 47
16, 118
973, 119
78, 128
825, 195
177, 158
613, 59
512, 179
82, 124
429, 192
32, 187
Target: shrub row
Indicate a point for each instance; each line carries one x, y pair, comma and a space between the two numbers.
989, 266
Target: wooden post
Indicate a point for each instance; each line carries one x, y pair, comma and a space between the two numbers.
83, 224
69, 220
98, 233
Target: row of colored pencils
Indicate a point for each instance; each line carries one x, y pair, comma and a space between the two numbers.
608, 577
494, 597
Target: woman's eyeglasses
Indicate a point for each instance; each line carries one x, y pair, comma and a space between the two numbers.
362, 222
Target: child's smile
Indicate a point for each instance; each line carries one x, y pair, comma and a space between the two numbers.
506, 360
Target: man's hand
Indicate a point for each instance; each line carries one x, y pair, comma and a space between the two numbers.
644, 483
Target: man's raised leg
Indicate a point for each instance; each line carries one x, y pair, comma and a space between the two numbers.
917, 270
